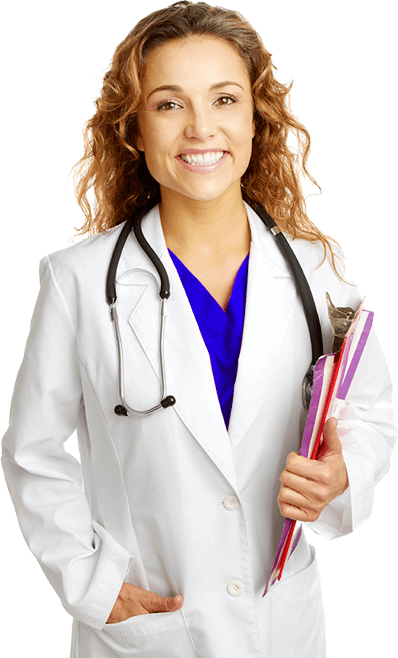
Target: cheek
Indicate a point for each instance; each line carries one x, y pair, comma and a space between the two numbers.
244, 131
158, 161
247, 141
157, 140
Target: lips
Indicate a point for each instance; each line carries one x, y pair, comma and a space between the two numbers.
188, 151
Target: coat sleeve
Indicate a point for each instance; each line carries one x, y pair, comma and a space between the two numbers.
367, 433
83, 563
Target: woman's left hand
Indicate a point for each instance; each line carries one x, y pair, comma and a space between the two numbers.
308, 485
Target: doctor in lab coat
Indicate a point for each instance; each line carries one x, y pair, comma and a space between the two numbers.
176, 503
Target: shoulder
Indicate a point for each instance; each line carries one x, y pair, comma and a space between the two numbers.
312, 256
92, 254
325, 276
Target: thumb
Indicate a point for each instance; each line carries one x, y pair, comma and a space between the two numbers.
167, 603
172, 602
331, 442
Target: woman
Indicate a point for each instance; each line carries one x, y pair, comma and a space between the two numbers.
182, 509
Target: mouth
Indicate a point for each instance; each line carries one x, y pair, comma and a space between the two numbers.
202, 159
202, 163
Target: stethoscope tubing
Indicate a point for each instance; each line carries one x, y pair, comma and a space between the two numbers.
303, 289
307, 299
124, 409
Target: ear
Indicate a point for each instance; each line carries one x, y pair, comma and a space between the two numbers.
253, 129
140, 143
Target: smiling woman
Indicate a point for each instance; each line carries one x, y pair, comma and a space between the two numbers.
197, 125
160, 542
120, 173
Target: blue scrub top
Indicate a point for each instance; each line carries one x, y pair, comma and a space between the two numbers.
221, 330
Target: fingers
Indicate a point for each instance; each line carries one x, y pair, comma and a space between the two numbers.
295, 505
133, 601
311, 469
307, 489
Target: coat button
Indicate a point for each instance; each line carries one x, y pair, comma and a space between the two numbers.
231, 502
235, 588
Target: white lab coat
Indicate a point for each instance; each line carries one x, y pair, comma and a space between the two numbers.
151, 501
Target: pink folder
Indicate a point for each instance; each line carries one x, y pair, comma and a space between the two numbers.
332, 379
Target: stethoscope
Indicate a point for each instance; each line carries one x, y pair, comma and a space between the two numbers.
303, 289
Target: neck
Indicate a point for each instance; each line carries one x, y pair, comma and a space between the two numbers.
208, 227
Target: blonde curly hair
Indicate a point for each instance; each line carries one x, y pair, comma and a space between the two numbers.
116, 170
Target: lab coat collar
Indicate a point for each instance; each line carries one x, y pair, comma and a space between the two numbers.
187, 362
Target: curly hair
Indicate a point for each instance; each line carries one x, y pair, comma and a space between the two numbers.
116, 170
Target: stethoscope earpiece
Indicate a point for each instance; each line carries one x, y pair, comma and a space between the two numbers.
301, 282
168, 402
120, 410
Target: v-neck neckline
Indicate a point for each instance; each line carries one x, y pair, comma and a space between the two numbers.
221, 330
182, 268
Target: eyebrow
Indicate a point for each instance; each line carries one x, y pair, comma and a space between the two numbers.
218, 85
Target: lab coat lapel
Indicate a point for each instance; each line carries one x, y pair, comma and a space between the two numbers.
189, 376
188, 368
267, 318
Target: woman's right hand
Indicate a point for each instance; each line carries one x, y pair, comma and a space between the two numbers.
134, 601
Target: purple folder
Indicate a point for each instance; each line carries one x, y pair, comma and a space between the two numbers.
332, 379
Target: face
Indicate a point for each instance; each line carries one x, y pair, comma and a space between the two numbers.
196, 123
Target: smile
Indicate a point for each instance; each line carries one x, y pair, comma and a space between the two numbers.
202, 163
199, 159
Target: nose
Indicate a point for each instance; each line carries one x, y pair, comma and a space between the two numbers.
200, 124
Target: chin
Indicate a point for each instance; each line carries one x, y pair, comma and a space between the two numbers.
204, 192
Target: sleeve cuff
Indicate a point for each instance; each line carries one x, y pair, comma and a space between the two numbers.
349, 510
119, 565
103, 589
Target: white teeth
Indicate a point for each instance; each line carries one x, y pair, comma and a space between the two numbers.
209, 158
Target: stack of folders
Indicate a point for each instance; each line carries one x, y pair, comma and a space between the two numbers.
332, 379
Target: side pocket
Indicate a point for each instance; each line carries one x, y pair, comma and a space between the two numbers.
297, 615
162, 634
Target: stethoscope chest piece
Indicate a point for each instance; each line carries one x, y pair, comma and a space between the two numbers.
166, 401
308, 383
303, 289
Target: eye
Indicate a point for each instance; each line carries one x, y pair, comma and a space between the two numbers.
167, 105
226, 100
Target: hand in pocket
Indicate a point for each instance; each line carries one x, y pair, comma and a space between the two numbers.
134, 601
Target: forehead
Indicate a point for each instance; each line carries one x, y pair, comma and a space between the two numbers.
194, 59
